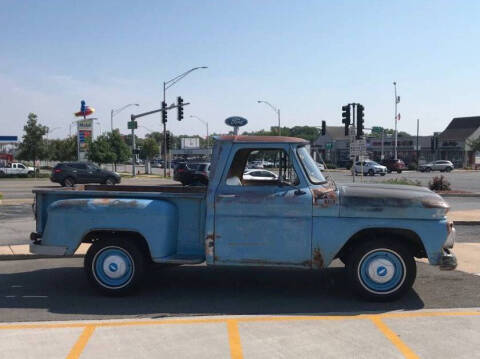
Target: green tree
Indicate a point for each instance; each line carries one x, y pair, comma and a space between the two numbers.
100, 151
118, 147
149, 150
63, 149
474, 144
32, 147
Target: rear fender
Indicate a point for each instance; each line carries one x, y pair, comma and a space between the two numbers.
71, 221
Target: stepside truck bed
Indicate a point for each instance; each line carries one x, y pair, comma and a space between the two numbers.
171, 219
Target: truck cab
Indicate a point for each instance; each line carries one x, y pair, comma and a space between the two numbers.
299, 220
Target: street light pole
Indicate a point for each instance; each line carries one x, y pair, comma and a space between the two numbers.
117, 111
396, 119
206, 124
276, 110
166, 86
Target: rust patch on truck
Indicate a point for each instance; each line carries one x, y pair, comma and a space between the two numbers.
324, 197
210, 244
317, 259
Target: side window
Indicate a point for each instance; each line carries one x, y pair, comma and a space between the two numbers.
21, 166
282, 168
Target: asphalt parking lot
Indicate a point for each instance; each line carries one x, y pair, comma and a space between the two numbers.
49, 311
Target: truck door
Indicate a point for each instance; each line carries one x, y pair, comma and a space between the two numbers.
263, 222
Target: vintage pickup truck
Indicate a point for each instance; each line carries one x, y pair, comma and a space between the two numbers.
299, 220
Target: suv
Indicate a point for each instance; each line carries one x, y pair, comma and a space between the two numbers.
192, 173
442, 166
394, 165
70, 173
369, 168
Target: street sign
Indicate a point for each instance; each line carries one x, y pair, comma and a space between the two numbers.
358, 148
132, 125
328, 146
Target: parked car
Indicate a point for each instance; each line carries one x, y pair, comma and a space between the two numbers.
320, 166
442, 166
192, 173
259, 175
70, 173
15, 168
394, 165
370, 168
303, 221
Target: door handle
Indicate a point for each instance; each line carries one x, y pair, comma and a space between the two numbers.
299, 192
227, 196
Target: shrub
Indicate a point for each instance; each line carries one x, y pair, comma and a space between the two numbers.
330, 166
439, 183
403, 181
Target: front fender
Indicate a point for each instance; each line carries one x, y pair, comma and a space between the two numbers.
70, 220
330, 234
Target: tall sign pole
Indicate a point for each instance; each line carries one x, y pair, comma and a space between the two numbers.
397, 100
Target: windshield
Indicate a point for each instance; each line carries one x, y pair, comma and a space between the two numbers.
310, 167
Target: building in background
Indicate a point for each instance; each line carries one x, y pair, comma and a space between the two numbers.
453, 141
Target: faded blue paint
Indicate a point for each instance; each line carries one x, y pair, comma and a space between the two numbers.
303, 225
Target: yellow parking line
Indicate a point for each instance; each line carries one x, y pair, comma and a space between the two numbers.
81, 342
390, 334
234, 339
238, 319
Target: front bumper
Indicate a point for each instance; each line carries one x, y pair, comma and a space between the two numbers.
448, 261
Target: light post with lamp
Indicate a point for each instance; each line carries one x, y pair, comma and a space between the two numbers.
276, 110
166, 86
117, 111
206, 124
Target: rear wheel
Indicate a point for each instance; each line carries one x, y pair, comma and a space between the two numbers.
68, 182
381, 270
428, 169
114, 266
371, 173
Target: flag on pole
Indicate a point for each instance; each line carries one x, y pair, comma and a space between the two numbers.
398, 99
398, 117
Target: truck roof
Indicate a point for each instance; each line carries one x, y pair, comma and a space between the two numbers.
262, 139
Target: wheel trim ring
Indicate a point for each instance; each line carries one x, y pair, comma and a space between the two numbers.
97, 267
399, 276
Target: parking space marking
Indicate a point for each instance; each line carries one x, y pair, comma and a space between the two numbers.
394, 338
234, 339
82, 341
238, 319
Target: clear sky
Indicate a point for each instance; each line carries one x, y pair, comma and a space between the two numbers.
307, 57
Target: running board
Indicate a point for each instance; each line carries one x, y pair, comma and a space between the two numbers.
181, 259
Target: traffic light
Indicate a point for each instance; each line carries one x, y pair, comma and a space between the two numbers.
169, 141
324, 128
360, 121
164, 112
179, 108
346, 117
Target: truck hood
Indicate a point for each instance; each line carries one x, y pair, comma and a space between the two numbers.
391, 201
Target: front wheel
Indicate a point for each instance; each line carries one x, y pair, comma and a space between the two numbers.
114, 266
371, 173
448, 169
381, 270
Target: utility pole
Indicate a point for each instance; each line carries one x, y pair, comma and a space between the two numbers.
382, 155
418, 149
396, 118
132, 125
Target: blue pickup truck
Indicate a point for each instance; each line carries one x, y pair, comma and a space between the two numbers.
298, 220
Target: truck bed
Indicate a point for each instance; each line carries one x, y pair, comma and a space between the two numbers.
188, 208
